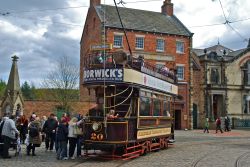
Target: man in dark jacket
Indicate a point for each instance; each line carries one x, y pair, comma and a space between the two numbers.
61, 136
49, 129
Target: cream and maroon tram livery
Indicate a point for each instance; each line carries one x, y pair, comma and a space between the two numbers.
133, 112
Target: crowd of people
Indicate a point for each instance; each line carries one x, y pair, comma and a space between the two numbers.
58, 135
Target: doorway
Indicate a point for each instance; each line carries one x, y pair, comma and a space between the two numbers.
177, 121
194, 116
218, 109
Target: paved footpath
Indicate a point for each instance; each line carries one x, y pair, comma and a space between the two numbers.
191, 149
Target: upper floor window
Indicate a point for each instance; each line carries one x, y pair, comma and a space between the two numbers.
180, 72
179, 47
246, 73
118, 41
139, 43
160, 44
215, 76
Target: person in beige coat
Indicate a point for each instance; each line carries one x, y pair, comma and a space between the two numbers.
35, 138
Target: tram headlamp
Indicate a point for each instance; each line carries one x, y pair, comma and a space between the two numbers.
96, 126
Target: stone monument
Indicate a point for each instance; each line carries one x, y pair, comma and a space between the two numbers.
13, 103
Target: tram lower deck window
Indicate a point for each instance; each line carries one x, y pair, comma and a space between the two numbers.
145, 106
157, 107
166, 108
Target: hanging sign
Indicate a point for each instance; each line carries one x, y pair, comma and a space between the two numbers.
100, 75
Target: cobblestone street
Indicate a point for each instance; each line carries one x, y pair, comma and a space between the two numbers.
192, 148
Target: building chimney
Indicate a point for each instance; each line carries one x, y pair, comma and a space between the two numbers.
167, 8
94, 2
248, 46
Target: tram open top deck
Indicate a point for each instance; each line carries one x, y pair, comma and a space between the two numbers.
117, 68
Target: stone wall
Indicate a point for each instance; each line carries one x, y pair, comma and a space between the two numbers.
47, 107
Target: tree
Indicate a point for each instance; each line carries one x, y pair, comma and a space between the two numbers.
62, 83
2, 88
28, 91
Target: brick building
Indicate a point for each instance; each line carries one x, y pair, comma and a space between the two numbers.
160, 38
221, 83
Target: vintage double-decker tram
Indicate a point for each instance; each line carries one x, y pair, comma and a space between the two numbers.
134, 105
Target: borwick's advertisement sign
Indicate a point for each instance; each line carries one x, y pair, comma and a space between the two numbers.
107, 74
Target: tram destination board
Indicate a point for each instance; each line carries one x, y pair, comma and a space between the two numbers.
100, 75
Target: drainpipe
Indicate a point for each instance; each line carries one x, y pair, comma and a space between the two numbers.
191, 126
205, 85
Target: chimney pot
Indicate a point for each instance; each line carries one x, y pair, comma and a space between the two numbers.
94, 3
167, 8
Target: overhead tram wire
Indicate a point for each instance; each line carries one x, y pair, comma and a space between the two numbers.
208, 25
223, 11
225, 43
218, 24
237, 32
227, 22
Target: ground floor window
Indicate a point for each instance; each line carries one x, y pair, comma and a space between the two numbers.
246, 104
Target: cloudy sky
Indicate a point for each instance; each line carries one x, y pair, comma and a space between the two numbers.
41, 31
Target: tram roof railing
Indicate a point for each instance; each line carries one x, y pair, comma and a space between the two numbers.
120, 59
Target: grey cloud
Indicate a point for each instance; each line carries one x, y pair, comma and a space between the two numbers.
37, 55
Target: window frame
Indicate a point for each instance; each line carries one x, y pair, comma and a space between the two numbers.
120, 41
139, 45
183, 72
180, 48
215, 75
160, 48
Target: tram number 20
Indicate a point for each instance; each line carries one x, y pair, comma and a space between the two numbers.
95, 136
